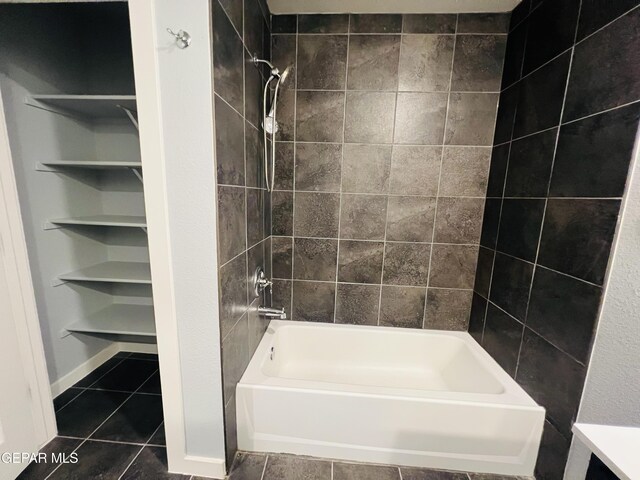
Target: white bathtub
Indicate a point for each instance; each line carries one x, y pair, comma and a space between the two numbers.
421, 398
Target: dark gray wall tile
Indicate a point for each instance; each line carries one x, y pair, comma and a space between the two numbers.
429, 23
593, 154
420, 118
360, 262
490, 222
233, 8
235, 356
478, 62
406, 264
595, 14
530, 163
233, 293
483, 271
483, 22
373, 62
458, 220
369, 117
357, 304
284, 166
453, 266
552, 457
253, 157
322, 61
476, 317
381, 23
425, 63
281, 256
366, 168
424, 165
228, 59
282, 213
502, 337
465, 171
540, 99
447, 309
313, 302
520, 227
564, 311
471, 118
232, 227
506, 114
284, 23
552, 378
577, 237
256, 257
314, 259
254, 27
498, 170
319, 116
281, 295
362, 217
323, 23
402, 306
229, 144
255, 219
318, 167
510, 285
252, 92
316, 214
283, 51
514, 56
410, 219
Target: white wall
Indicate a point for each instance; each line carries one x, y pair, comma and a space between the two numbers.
611, 393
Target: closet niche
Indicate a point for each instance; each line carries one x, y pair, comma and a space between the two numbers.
67, 85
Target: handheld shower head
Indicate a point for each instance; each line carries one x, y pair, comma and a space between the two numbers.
285, 75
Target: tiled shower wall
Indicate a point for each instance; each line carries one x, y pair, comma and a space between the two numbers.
565, 133
382, 165
240, 30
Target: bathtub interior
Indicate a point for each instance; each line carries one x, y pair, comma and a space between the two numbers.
392, 358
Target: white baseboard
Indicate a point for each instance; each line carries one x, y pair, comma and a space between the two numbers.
94, 362
199, 466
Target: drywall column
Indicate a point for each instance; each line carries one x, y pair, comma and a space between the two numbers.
611, 394
174, 92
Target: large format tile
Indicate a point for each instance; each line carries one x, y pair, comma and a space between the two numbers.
471, 118
520, 226
232, 222
233, 8
458, 220
502, 337
314, 259
57, 446
366, 168
357, 304
552, 378
373, 62
362, 217
514, 56
369, 117
593, 154
490, 222
254, 155
402, 306
453, 266
235, 356
465, 171
323, 23
476, 317
483, 22
313, 301
375, 23
322, 61
99, 372
410, 219
507, 105
510, 285
606, 69
233, 292
360, 262
281, 257
577, 237
287, 467
530, 163
425, 63
287, 114
564, 310
127, 376
255, 207
448, 309
284, 166
65, 397
282, 213
420, 118
152, 385
151, 464
359, 471
135, 421
255, 30
429, 23
319, 116
318, 167
283, 51
97, 460
406, 264
477, 64
483, 271
553, 453
228, 59
424, 165
409, 473
316, 214
498, 170
229, 144
594, 14
247, 466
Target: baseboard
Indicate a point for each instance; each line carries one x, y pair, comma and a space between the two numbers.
199, 466
94, 362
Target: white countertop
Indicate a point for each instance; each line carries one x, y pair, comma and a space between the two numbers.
617, 447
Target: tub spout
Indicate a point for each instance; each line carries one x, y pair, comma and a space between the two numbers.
272, 312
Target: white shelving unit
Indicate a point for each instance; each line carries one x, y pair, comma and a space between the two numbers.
125, 221
87, 164
85, 106
119, 319
111, 272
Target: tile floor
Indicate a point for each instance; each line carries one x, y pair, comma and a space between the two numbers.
112, 419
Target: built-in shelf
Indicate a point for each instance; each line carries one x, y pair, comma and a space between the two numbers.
100, 220
113, 272
91, 164
119, 319
85, 106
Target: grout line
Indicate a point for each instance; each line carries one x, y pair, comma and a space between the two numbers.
264, 467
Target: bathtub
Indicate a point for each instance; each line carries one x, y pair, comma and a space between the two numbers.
422, 398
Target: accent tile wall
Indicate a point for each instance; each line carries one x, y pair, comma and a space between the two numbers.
382, 165
566, 129
240, 30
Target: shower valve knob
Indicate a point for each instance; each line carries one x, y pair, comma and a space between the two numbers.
260, 282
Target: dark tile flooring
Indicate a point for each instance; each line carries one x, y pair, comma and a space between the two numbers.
112, 419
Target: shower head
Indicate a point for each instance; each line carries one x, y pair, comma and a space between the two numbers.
284, 75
